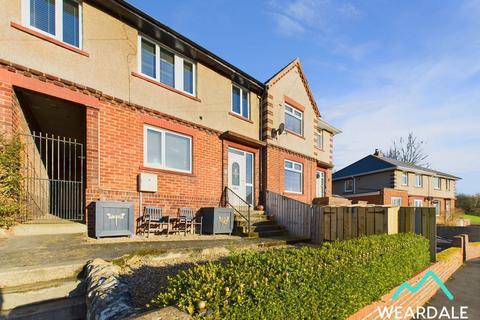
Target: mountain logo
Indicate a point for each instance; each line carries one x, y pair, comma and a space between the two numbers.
429, 274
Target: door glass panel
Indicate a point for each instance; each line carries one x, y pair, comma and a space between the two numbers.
235, 174
249, 168
249, 194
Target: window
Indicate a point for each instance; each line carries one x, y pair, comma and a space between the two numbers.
418, 180
162, 65
418, 203
319, 140
235, 174
447, 184
436, 183
293, 120
396, 201
240, 102
293, 172
60, 19
404, 178
167, 150
349, 185
437, 206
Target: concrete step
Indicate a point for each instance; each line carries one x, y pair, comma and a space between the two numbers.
16, 277
65, 227
271, 233
14, 297
260, 228
58, 309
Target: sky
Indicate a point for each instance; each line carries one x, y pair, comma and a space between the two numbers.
378, 69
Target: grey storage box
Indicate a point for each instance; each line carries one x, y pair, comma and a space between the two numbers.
114, 218
217, 220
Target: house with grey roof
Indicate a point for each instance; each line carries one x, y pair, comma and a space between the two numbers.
381, 180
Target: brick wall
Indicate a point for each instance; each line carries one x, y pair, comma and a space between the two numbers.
274, 173
388, 193
114, 146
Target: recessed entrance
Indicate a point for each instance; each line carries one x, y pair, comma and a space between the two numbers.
53, 134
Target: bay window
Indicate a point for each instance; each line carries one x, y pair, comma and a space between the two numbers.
167, 150
293, 175
60, 19
164, 66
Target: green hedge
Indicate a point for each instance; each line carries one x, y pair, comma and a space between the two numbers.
330, 282
10, 179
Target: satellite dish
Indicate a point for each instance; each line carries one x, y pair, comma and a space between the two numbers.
281, 128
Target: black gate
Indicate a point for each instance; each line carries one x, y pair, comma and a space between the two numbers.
52, 170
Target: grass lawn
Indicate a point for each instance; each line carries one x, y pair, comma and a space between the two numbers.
473, 219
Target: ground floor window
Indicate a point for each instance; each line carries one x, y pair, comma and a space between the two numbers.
396, 201
418, 203
293, 173
320, 184
167, 150
436, 204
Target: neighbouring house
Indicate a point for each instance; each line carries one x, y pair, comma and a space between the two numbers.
381, 180
101, 92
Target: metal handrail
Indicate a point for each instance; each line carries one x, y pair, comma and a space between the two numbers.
227, 202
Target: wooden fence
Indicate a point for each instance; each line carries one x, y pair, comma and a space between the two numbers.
300, 219
327, 223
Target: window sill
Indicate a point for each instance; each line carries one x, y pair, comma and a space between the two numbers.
49, 39
295, 134
293, 193
157, 170
240, 117
140, 76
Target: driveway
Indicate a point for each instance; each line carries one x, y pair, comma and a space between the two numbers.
465, 287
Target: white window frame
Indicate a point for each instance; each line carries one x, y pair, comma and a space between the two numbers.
319, 135
404, 175
345, 185
242, 90
447, 184
393, 199
435, 186
292, 169
416, 202
162, 150
178, 65
292, 113
418, 185
58, 22
322, 177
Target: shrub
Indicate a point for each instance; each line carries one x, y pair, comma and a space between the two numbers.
328, 282
10, 180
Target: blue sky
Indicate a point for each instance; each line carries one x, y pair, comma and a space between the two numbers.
378, 69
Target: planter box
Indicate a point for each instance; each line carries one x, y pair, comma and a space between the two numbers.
217, 220
114, 218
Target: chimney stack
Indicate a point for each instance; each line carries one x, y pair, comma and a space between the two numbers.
378, 153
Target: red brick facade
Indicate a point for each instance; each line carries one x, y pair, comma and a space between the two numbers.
274, 174
114, 146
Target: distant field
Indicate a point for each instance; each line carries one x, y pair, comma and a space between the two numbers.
473, 219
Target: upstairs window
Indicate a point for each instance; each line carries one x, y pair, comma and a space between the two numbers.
404, 178
319, 140
293, 120
418, 180
436, 183
60, 19
164, 66
447, 184
240, 101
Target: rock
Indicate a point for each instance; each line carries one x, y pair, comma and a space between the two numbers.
107, 296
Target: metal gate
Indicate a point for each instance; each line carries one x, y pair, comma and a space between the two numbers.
52, 171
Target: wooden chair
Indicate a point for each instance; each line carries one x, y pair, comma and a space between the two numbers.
154, 216
187, 221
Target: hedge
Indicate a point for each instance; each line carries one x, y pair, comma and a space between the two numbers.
10, 180
328, 282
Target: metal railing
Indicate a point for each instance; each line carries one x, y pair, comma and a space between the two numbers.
234, 201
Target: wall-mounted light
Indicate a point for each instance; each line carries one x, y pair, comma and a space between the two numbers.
279, 131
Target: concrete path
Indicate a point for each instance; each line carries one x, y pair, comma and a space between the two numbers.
61, 249
465, 287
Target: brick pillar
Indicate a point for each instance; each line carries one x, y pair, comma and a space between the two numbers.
92, 166
6, 109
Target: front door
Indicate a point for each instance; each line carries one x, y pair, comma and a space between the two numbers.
320, 184
240, 174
